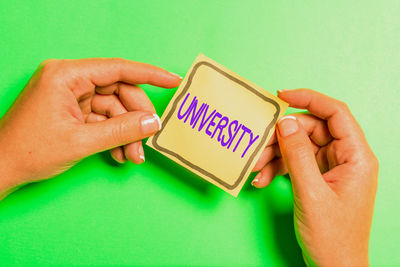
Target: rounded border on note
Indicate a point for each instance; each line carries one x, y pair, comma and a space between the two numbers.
260, 146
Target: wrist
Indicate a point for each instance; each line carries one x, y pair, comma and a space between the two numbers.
339, 259
9, 178
8, 181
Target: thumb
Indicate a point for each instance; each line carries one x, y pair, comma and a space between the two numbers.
119, 130
297, 152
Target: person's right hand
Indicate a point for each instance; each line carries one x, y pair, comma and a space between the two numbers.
334, 176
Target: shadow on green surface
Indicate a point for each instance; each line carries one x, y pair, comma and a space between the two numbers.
276, 210
180, 174
285, 237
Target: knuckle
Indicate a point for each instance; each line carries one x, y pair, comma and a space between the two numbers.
117, 132
113, 106
51, 66
375, 163
47, 61
52, 63
343, 107
297, 149
77, 82
47, 65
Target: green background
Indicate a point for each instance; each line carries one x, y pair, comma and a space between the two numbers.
99, 213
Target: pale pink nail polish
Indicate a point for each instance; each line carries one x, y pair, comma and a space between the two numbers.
176, 75
150, 124
288, 125
256, 179
141, 153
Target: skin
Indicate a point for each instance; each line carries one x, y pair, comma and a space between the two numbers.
71, 109
334, 176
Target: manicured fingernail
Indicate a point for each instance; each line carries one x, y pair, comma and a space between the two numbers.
288, 125
158, 120
141, 152
176, 75
281, 91
256, 179
150, 124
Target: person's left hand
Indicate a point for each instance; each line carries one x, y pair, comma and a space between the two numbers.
71, 109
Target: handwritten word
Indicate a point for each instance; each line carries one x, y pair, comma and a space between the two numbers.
226, 130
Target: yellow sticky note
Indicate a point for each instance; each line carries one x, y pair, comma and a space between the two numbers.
217, 124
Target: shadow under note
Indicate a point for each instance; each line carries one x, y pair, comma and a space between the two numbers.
275, 209
284, 233
180, 173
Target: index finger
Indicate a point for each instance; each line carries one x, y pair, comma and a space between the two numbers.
341, 122
106, 71
82, 76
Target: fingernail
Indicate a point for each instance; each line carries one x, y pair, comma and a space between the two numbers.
150, 124
176, 75
287, 125
281, 91
158, 120
256, 179
141, 152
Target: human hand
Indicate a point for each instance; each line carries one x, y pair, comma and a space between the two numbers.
334, 176
71, 109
